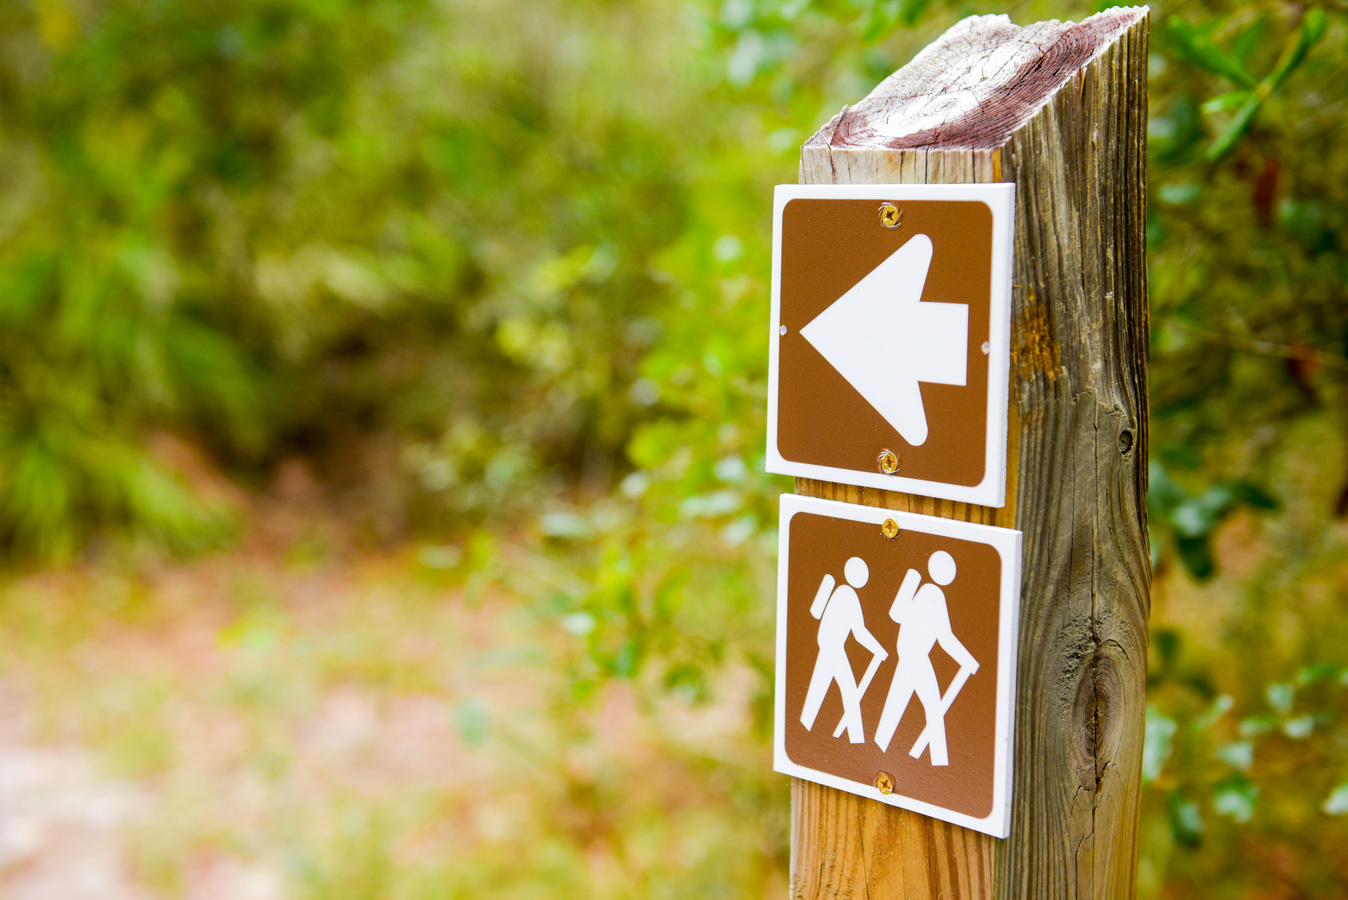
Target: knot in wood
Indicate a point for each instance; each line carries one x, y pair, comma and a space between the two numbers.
1097, 713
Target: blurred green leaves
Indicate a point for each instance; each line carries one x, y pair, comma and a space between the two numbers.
1191, 519
1196, 45
287, 228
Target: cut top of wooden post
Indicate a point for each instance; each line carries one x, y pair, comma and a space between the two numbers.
976, 84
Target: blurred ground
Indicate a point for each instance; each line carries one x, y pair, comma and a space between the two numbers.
59, 820
296, 718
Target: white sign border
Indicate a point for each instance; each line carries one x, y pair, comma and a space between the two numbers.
1000, 197
1007, 543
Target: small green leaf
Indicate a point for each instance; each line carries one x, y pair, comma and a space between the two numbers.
747, 59
1162, 492
737, 14
1220, 707
1280, 695
1336, 804
706, 506
1312, 28
1177, 131
1193, 519
912, 11
1180, 194
1320, 672
1256, 725
1167, 642
1299, 728
565, 526
578, 623
688, 683
1238, 755
883, 17
1186, 822
1223, 102
1249, 39
1193, 552
1226, 141
1253, 495
739, 531
1157, 739
1195, 45
1235, 798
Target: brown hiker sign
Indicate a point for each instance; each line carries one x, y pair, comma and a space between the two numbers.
890, 341
895, 658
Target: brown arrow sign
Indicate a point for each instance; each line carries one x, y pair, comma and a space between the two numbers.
895, 658
891, 337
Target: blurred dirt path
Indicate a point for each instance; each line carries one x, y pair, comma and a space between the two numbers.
58, 820
61, 827
267, 723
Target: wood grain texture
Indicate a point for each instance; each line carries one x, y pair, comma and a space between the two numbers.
1060, 109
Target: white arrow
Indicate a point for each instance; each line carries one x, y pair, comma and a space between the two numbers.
883, 339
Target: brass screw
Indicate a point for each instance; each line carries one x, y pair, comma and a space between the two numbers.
890, 529
889, 462
884, 783
889, 215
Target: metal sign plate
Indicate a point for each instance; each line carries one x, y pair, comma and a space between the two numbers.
896, 638
891, 336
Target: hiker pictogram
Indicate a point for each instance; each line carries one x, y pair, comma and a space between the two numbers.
838, 609
924, 621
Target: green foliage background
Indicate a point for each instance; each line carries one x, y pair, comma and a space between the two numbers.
502, 267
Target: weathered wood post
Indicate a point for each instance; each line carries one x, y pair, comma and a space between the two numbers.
1061, 110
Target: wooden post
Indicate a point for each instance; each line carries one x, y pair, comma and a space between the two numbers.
1061, 110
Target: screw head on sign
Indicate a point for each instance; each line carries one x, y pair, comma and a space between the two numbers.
889, 215
884, 783
890, 529
889, 462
